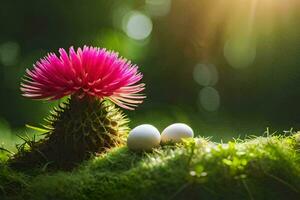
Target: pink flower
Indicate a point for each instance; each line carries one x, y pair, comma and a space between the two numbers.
88, 72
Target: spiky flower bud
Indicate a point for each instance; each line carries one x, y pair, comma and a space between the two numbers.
88, 122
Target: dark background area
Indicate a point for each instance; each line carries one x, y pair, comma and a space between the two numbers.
226, 67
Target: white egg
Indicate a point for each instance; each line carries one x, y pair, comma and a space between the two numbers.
175, 133
143, 137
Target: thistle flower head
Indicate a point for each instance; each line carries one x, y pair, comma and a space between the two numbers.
86, 72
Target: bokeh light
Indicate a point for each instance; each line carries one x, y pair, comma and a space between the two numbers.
137, 25
9, 52
118, 41
119, 12
205, 74
240, 52
209, 99
158, 8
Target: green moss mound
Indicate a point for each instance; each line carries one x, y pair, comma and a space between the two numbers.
257, 168
77, 129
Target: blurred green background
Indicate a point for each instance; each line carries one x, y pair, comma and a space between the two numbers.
228, 68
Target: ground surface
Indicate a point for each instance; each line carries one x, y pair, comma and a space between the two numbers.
258, 168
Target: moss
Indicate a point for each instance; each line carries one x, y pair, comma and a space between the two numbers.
257, 168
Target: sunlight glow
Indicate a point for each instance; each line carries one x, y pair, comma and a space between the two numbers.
241, 25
